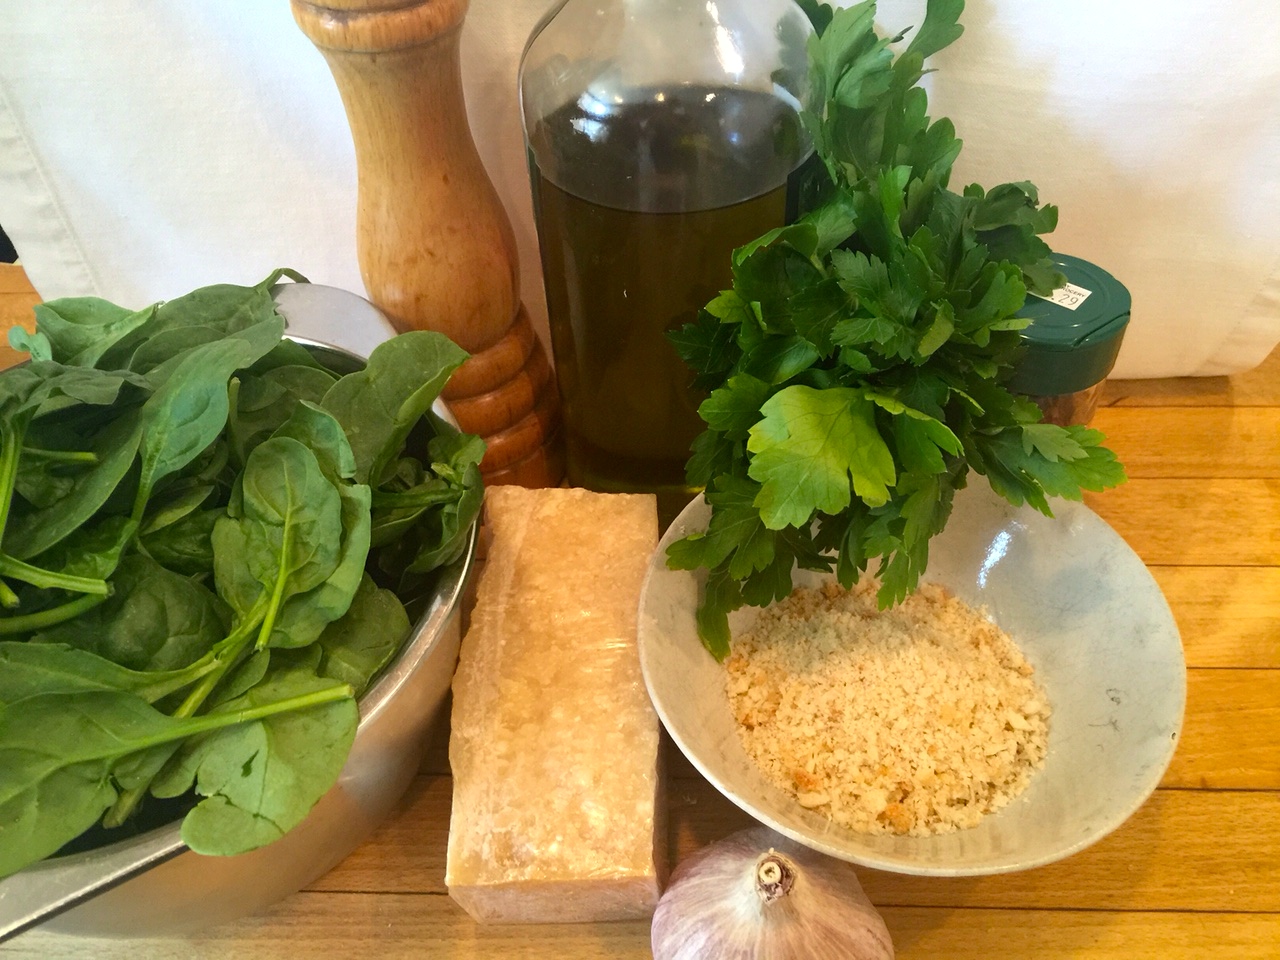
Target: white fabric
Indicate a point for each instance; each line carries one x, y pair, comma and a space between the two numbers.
151, 146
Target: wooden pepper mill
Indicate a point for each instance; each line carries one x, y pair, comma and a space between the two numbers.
435, 246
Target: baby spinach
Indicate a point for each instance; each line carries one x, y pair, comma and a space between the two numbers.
186, 545
79, 330
436, 500
201, 316
288, 353
363, 641
32, 531
303, 616
281, 535
187, 597
228, 307
36, 344
260, 779
264, 401
63, 757
318, 431
243, 678
155, 620
31, 669
445, 528
189, 409
95, 549
379, 405
175, 504
38, 389
163, 347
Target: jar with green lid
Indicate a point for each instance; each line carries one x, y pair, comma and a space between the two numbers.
1072, 341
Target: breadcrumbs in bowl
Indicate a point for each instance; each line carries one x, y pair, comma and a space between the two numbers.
1082, 610
916, 720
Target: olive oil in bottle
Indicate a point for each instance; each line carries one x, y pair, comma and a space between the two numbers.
636, 235
641, 192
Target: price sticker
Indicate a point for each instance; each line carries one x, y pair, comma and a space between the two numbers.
1069, 295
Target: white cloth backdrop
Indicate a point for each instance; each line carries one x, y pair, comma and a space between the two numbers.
150, 146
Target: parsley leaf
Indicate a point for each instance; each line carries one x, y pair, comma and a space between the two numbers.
808, 446
855, 368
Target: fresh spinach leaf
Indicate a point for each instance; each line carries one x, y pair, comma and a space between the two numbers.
225, 306
185, 445
177, 502
290, 353
282, 535
398, 512
263, 402
243, 678
365, 639
318, 431
304, 616
166, 346
36, 344
443, 529
33, 531
34, 669
260, 779
62, 754
94, 550
80, 330
155, 620
199, 317
379, 405
186, 545
189, 409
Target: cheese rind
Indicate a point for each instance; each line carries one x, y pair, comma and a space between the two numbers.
554, 742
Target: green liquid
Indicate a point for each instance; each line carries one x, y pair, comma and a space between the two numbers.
638, 211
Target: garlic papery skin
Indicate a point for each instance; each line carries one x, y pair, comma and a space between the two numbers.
757, 895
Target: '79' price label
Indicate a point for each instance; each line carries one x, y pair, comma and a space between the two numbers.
1068, 295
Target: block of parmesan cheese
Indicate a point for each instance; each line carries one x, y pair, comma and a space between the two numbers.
554, 743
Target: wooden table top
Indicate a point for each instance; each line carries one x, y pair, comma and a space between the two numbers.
1195, 873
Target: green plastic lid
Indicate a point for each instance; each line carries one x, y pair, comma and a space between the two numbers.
1074, 336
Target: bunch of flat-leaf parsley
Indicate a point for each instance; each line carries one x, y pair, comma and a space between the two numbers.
854, 370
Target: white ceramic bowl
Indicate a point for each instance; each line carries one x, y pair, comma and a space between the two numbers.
1084, 610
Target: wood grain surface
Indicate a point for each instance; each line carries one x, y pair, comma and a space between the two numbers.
1194, 873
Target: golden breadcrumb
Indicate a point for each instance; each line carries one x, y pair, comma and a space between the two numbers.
917, 720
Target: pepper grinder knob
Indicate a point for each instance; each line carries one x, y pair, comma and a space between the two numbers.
434, 243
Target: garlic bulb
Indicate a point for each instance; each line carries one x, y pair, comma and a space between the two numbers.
758, 895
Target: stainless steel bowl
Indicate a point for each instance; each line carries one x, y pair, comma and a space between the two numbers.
154, 885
